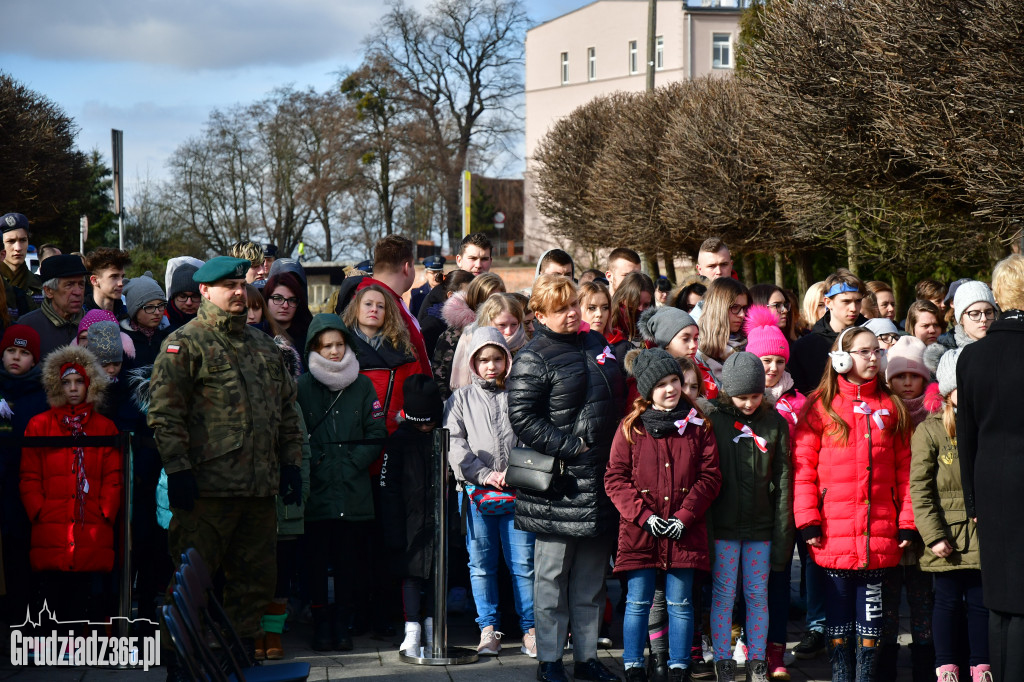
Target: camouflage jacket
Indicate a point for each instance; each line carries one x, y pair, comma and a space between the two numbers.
223, 405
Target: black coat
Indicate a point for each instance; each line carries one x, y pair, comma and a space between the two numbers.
809, 354
990, 439
558, 394
407, 501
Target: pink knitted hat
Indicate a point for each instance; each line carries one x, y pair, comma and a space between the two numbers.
907, 355
763, 334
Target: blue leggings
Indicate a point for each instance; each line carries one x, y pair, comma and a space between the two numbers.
853, 603
756, 559
953, 588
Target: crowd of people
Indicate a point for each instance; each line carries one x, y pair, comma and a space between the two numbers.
699, 435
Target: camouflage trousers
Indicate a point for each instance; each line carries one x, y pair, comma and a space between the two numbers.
238, 534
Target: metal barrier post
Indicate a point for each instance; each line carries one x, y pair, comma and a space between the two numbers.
441, 653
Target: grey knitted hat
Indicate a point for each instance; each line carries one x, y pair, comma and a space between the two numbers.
946, 371
742, 374
138, 291
182, 282
660, 325
105, 341
649, 366
969, 293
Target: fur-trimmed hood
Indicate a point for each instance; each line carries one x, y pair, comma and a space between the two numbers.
457, 313
82, 356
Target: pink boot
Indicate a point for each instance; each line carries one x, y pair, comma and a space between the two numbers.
981, 673
776, 670
948, 673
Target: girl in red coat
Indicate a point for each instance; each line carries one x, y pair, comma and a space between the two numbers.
662, 476
71, 494
852, 502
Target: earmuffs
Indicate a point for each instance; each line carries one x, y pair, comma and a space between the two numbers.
842, 361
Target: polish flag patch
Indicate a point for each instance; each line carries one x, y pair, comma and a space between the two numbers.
173, 348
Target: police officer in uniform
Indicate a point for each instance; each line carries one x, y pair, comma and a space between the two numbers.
434, 266
224, 420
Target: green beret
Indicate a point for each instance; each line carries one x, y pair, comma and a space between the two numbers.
221, 267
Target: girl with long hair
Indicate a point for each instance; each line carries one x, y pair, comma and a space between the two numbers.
595, 306
633, 296
721, 323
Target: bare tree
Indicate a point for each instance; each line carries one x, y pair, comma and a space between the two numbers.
461, 64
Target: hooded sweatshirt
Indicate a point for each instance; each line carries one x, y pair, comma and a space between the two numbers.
477, 419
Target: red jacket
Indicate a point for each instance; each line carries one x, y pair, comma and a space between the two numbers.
413, 325
48, 491
856, 490
675, 476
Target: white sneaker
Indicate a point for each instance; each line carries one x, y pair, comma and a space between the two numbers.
410, 646
529, 643
490, 642
428, 633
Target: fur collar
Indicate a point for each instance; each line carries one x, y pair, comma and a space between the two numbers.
457, 313
51, 375
336, 376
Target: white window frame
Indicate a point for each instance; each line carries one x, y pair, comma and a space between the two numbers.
659, 53
591, 63
716, 44
564, 66
634, 58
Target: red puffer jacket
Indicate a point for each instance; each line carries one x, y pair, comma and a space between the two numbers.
48, 491
671, 476
857, 490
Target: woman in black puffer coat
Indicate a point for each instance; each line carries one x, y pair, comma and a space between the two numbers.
565, 397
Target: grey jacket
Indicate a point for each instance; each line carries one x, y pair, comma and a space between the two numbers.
476, 417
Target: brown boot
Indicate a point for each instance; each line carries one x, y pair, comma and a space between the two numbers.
275, 652
261, 652
273, 626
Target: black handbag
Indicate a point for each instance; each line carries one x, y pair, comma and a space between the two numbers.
532, 471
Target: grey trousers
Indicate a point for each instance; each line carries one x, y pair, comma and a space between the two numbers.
569, 585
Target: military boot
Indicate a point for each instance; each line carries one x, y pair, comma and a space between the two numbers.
843, 657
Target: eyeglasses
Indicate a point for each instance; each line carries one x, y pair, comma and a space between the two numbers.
738, 309
279, 300
867, 354
155, 308
975, 315
889, 338
780, 307
187, 298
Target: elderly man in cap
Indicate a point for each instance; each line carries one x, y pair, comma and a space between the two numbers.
224, 420
13, 269
57, 319
434, 275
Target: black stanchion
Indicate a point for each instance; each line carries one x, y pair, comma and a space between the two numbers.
440, 653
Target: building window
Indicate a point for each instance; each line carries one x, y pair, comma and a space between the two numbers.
721, 50
565, 68
633, 65
591, 63
659, 52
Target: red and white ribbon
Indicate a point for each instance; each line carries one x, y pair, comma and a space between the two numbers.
606, 354
876, 415
784, 406
691, 418
746, 432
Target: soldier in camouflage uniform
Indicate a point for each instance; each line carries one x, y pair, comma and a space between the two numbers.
224, 419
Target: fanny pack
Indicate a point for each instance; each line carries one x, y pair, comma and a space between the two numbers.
491, 501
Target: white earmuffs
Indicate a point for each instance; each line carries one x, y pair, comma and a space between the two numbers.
842, 362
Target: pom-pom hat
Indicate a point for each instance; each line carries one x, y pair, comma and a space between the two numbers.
763, 334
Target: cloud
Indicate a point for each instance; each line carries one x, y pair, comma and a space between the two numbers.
191, 34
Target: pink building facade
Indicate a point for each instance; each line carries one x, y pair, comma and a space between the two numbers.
601, 48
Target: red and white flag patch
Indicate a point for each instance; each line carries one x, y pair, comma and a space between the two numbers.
173, 348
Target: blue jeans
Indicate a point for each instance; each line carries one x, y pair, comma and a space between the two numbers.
487, 538
639, 595
814, 579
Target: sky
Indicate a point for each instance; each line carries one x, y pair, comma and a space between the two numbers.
156, 69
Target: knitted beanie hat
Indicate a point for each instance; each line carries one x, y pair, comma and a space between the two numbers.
881, 325
138, 291
422, 400
105, 342
93, 316
21, 336
649, 366
763, 334
907, 355
182, 282
969, 293
946, 372
742, 374
660, 325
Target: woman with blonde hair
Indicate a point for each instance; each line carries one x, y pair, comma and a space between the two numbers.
721, 323
813, 307
501, 311
459, 312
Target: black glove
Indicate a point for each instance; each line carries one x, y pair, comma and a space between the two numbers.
182, 490
675, 529
291, 484
655, 525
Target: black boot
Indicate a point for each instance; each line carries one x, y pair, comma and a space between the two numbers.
885, 662
657, 667
342, 640
842, 655
867, 658
922, 661
322, 640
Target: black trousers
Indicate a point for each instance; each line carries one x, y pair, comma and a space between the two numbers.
1006, 646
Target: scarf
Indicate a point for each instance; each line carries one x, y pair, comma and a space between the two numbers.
56, 319
72, 423
17, 278
661, 424
373, 342
916, 409
337, 376
517, 340
780, 389
148, 333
